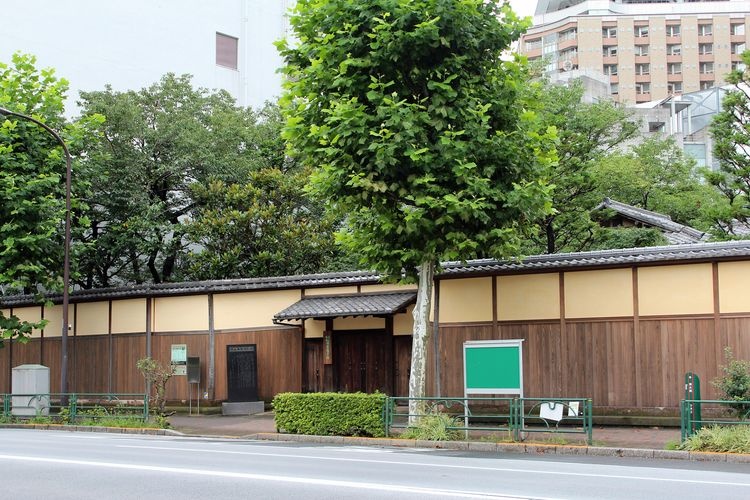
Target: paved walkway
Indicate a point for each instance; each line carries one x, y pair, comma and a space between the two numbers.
655, 438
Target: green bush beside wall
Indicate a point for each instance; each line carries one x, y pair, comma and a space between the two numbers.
330, 414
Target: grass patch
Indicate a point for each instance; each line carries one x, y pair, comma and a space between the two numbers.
434, 427
727, 439
672, 445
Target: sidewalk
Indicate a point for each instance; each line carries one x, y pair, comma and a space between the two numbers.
655, 438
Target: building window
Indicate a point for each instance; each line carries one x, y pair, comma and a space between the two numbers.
706, 68
642, 69
738, 48
568, 35
609, 32
569, 54
738, 29
226, 51
614, 88
674, 49
707, 85
674, 88
674, 68
705, 49
609, 50
641, 50
641, 31
705, 29
738, 66
534, 44
610, 69
673, 30
642, 88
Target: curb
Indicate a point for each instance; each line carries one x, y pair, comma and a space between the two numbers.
517, 448
93, 428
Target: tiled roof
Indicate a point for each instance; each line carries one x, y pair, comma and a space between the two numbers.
675, 233
723, 250
374, 304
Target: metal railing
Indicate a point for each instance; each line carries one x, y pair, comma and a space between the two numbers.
74, 407
515, 416
691, 419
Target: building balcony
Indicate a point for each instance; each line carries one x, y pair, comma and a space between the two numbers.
707, 77
642, 97
609, 60
642, 78
671, 78
642, 59
642, 40
567, 44
705, 58
737, 38
532, 53
674, 39
674, 59
614, 79
705, 39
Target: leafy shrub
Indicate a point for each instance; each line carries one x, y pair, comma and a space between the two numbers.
434, 427
728, 439
330, 414
734, 384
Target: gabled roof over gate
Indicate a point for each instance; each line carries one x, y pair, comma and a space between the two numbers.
337, 306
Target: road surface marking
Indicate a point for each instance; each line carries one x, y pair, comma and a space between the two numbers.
275, 478
447, 466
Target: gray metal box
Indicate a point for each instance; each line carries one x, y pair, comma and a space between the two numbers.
30, 390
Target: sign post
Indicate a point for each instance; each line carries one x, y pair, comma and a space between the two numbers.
492, 367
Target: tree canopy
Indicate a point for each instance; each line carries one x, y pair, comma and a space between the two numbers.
32, 183
731, 132
418, 131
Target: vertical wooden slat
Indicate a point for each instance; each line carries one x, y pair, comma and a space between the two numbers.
436, 341
388, 355
637, 346
211, 349
563, 379
41, 341
329, 384
109, 347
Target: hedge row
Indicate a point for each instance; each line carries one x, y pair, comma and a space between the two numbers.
330, 414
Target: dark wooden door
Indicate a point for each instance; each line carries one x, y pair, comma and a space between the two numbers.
402, 360
313, 369
359, 360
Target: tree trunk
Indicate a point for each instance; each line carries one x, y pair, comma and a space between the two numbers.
420, 341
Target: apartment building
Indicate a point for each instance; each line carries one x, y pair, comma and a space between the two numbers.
649, 49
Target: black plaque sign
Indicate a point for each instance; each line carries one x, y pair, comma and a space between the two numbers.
194, 370
242, 373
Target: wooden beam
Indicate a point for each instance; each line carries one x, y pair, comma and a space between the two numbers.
329, 382
389, 362
636, 341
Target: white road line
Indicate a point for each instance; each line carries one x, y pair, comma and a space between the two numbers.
266, 477
446, 466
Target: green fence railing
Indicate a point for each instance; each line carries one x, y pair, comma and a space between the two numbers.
692, 419
516, 416
72, 407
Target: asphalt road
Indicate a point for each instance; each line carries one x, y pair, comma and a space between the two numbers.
62, 465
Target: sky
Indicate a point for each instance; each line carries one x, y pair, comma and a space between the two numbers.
523, 7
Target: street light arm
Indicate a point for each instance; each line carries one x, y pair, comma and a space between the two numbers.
66, 263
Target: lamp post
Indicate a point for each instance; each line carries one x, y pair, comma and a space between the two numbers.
66, 263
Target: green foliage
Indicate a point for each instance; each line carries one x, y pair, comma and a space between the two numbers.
734, 384
720, 439
587, 132
612, 238
434, 427
656, 175
416, 129
266, 227
731, 133
330, 414
157, 142
157, 375
32, 183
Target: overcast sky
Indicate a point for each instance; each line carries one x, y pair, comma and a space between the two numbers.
523, 7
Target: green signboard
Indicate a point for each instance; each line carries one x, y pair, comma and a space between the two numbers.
493, 367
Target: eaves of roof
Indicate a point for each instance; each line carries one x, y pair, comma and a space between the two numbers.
727, 250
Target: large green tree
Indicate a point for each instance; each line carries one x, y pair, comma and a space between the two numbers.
588, 132
418, 133
32, 183
731, 132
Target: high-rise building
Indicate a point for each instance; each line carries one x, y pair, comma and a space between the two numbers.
649, 49
130, 44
